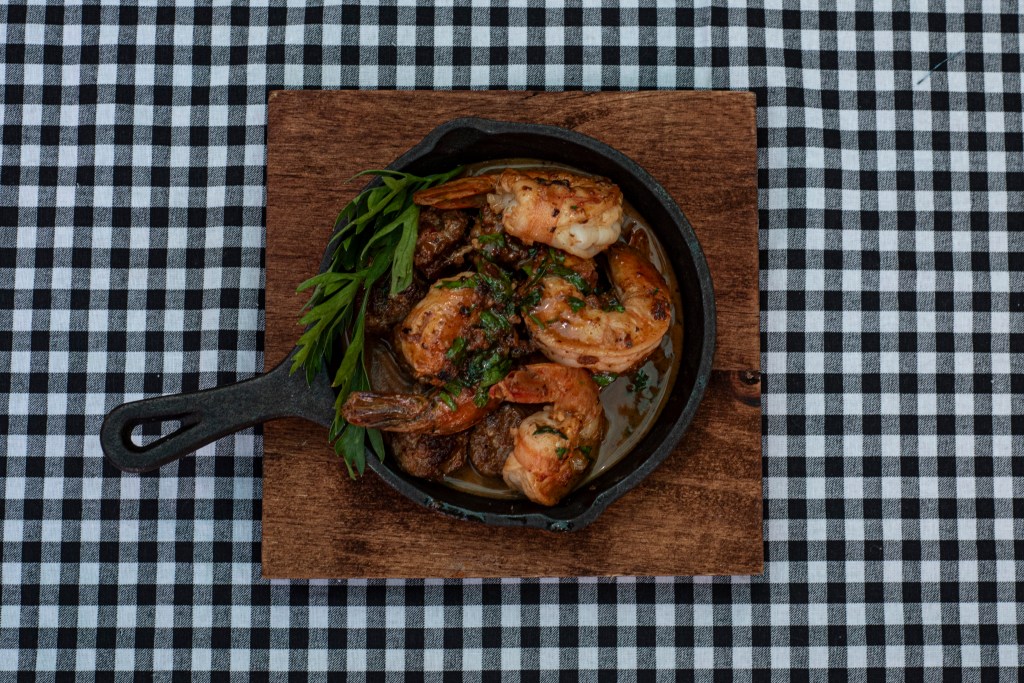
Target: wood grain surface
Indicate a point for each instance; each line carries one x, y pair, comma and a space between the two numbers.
700, 512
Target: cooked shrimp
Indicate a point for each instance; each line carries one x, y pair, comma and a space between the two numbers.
574, 332
552, 448
428, 332
467, 192
456, 320
416, 413
578, 214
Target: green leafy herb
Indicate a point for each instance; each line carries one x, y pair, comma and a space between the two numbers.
585, 450
603, 379
531, 299
493, 323
495, 238
570, 276
640, 381
450, 392
614, 306
545, 429
447, 399
454, 353
576, 304
469, 282
375, 233
483, 371
540, 323
481, 397
498, 282
535, 274
560, 452
496, 372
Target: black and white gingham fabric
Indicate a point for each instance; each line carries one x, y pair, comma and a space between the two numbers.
892, 289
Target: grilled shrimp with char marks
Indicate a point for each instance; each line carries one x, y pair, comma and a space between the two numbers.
552, 448
575, 213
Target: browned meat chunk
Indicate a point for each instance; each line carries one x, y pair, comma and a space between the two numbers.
427, 456
496, 244
383, 312
441, 233
491, 441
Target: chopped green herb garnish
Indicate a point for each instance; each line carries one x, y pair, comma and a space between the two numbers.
539, 272
484, 371
530, 300
498, 282
603, 379
560, 452
493, 323
614, 306
544, 429
500, 288
447, 398
540, 323
458, 347
497, 238
496, 372
373, 235
469, 282
570, 276
556, 255
585, 450
576, 304
640, 381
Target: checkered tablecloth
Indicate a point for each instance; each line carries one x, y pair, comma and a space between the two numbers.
892, 290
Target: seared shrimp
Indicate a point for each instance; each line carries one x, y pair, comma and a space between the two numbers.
456, 319
578, 214
416, 413
574, 332
552, 448
428, 332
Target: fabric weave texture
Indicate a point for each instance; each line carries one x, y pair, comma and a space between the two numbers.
891, 201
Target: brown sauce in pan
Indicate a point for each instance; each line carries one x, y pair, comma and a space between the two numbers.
630, 411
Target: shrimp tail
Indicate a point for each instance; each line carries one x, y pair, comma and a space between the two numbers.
416, 413
390, 412
462, 193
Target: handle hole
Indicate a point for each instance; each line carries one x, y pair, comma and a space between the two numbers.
146, 433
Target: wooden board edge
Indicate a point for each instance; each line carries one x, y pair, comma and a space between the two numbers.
274, 103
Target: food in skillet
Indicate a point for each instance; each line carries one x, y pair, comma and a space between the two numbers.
578, 214
515, 296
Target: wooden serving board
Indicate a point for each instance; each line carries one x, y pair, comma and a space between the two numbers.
698, 513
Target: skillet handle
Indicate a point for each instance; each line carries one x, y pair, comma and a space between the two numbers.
208, 415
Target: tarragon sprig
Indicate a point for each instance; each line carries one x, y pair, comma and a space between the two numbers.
374, 234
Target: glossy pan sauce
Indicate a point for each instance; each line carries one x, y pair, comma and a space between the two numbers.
629, 406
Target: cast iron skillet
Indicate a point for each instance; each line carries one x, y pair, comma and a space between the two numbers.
209, 415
